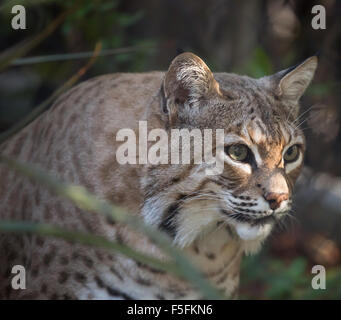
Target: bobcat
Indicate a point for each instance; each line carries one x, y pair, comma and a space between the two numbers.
214, 219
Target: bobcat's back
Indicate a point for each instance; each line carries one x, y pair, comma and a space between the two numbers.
75, 140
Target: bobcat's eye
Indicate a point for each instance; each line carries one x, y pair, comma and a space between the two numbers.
292, 153
237, 152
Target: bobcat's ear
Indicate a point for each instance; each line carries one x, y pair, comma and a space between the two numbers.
294, 81
187, 82
289, 85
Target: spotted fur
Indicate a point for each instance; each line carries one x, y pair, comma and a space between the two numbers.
214, 219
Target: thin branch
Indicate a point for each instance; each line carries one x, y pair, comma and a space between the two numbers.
76, 56
45, 104
25, 46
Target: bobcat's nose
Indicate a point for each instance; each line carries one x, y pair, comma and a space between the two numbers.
275, 199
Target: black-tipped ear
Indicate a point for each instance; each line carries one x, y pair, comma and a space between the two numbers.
294, 81
187, 81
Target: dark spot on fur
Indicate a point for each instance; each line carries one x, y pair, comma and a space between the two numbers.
47, 213
63, 276
116, 293
168, 224
43, 288
88, 262
99, 282
143, 282
229, 230
180, 294
99, 255
210, 256
116, 273
47, 258
64, 260
110, 221
244, 197
80, 277
39, 241
175, 180
37, 197
54, 296
223, 211
75, 256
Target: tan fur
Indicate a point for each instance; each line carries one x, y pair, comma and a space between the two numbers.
76, 141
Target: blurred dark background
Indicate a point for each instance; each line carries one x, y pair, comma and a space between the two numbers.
256, 38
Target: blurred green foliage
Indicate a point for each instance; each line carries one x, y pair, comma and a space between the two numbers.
259, 65
101, 20
92, 21
264, 276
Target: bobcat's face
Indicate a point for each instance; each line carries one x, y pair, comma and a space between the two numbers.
263, 151
262, 159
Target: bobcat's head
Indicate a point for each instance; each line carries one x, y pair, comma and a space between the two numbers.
263, 151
